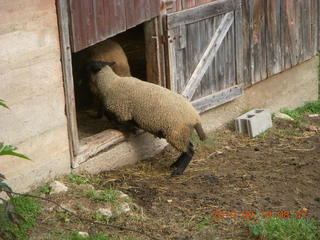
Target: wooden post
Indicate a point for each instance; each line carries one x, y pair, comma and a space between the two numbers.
66, 60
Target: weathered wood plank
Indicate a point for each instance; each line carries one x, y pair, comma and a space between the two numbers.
95, 20
206, 32
152, 38
171, 61
238, 51
201, 12
209, 54
134, 13
63, 18
193, 53
258, 41
91, 146
273, 36
246, 41
218, 98
318, 13
306, 30
314, 8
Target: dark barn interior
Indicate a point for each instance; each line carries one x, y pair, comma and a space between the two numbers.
133, 43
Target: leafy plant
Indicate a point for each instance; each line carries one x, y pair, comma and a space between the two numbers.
23, 215
3, 104
8, 211
10, 150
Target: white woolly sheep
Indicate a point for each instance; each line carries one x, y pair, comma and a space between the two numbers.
151, 107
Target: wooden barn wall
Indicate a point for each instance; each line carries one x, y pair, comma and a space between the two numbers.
32, 86
278, 34
179, 5
93, 21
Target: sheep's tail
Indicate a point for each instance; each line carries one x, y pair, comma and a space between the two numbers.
200, 131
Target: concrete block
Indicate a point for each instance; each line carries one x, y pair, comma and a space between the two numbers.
254, 122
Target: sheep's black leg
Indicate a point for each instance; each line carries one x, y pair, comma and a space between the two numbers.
183, 161
179, 160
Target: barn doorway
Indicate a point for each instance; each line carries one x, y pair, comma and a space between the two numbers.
83, 24
132, 42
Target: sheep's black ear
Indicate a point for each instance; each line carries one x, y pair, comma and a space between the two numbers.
96, 66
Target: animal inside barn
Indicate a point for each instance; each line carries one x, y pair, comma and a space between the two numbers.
130, 60
224, 56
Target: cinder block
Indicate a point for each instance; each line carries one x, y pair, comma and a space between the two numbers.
254, 122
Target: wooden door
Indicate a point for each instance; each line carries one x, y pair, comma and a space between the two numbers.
92, 21
205, 53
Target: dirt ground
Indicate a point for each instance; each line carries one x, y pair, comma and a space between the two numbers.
230, 178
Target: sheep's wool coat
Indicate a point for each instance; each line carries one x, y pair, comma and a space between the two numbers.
154, 108
109, 51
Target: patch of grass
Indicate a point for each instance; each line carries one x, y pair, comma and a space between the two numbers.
298, 113
285, 229
204, 222
107, 195
78, 179
29, 209
45, 189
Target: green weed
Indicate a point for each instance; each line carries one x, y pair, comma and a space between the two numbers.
285, 229
204, 222
107, 195
74, 178
298, 113
45, 189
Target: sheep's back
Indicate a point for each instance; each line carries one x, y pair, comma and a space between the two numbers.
155, 107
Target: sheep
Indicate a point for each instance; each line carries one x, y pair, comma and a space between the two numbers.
108, 51
150, 107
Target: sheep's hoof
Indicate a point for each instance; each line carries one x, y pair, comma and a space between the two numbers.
175, 164
176, 172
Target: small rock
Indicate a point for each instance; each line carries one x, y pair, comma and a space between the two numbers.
169, 200
105, 212
124, 208
283, 116
58, 187
83, 234
123, 195
314, 115
257, 149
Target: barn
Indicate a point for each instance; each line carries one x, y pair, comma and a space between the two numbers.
225, 56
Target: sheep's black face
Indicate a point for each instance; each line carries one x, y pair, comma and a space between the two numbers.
93, 67
96, 66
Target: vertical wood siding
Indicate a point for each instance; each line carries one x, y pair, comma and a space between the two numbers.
278, 34
93, 21
204, 61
